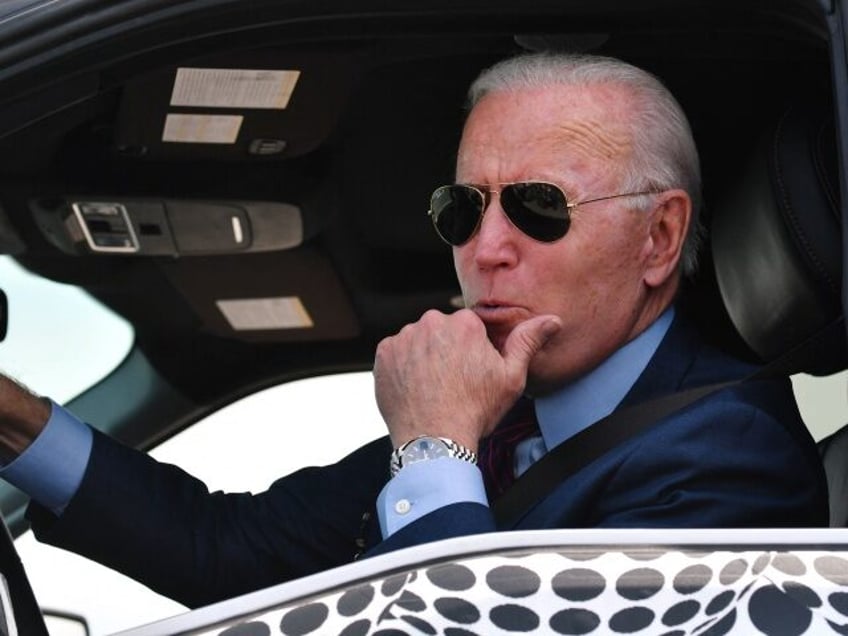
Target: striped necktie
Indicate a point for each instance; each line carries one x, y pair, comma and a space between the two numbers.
497, 451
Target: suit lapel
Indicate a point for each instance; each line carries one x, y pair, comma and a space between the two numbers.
670, 365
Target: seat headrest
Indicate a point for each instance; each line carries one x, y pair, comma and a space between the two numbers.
777, 243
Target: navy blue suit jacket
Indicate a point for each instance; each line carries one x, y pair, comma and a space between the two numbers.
741, 457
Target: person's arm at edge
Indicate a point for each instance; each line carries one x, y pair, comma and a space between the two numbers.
44, 450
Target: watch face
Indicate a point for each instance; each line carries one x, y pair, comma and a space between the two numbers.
424, 448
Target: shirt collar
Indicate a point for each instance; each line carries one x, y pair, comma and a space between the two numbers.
569, 410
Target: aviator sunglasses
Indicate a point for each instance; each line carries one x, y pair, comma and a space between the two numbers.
540, 210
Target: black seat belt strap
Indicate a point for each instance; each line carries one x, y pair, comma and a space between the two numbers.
586, 446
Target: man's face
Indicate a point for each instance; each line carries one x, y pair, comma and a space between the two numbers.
593, 277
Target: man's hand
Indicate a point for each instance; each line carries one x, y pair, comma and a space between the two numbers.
441, 375
22, 417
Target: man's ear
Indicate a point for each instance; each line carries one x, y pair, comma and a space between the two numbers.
670, 221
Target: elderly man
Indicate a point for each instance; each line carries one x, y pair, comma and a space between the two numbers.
572, 220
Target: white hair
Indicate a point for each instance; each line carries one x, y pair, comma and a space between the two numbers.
664, 153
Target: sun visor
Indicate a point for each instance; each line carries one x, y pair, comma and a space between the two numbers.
268, 105
286, 296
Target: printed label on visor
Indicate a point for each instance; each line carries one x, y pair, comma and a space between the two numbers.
233, 88
251, 314
202, 129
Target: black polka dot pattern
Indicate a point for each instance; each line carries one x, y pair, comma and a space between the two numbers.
355, 600
248, 629
772, 612
513, 581
722, 626
361, 627
637, 585
692, 579
410, 602
680, 613
304, 620
839, 602
790, 564
838, 629
761, 563
419, 624
834, 569
455, 578
393, 584
514, 618
457, 610
631, 620
578, 584
733, 571
719, 603
574, 621
802, 594
633, 591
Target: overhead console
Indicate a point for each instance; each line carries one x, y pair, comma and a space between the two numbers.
167, 227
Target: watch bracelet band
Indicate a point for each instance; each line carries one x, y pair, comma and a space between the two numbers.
457, 451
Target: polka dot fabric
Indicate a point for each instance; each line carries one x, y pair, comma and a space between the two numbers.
638, 591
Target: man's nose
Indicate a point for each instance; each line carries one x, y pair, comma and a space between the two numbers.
494, 244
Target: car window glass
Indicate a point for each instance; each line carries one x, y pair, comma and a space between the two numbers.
60, 341
823, 402
242, 447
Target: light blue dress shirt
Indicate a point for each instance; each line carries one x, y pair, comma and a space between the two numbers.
426, 486
52, 468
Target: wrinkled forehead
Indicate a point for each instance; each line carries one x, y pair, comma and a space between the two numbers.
506, 130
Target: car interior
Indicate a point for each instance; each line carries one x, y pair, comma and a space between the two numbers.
292, 248
276, 233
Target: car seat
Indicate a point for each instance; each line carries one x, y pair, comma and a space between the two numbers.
776, 245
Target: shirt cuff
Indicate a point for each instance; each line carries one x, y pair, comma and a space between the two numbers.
423, 487
51, 469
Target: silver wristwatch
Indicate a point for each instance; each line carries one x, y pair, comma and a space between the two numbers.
424, 448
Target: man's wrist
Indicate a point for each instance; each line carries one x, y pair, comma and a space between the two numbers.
23, 415
424, 487
427, 448
52, 467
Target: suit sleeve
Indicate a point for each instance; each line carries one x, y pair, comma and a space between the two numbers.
453, 520
160, 526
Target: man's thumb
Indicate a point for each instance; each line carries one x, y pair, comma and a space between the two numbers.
528, 337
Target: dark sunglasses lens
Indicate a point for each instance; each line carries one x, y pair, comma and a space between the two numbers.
456, 210
537, 209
